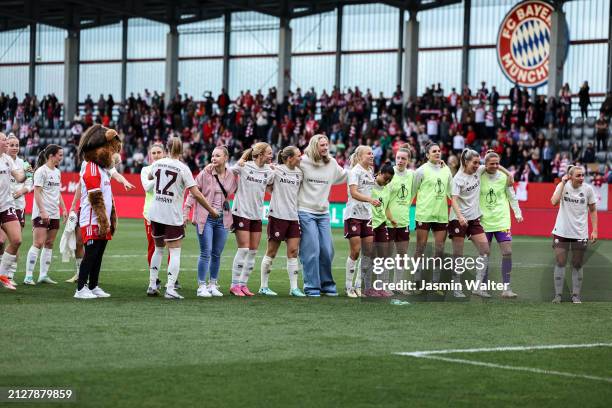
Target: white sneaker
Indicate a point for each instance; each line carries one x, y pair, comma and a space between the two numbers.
214, 290
99, 292
84, 293
458, 294
350, 292
46, 279
203, 291
172, 294
481, 293
508, 294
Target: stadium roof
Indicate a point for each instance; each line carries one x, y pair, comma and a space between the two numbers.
75, 14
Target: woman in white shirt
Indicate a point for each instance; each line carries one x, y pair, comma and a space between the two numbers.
47, 210
576, 202
8, 217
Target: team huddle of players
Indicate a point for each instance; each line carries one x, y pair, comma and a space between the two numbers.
376, 218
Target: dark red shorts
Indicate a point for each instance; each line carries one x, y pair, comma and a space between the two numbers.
8, 216
399, 234
53, 224
381, 233
244, 224
167, 232
434, 226
473, 228
21, 217
281, 230
569, 243
354, 227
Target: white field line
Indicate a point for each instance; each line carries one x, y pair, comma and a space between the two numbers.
509, 348
435, 355
517, 368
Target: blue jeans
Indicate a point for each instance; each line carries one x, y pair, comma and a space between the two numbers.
316, 253
212, 242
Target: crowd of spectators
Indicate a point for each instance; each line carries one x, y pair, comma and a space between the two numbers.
525, 129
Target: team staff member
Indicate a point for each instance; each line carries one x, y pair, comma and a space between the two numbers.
576, 202
283, 221
217, 183
48, 207
316, 250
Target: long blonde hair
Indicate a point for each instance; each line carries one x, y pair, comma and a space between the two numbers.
356, 156
312, 151
175, 147
255, 151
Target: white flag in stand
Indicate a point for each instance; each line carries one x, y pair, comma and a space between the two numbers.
601, 193
521, 190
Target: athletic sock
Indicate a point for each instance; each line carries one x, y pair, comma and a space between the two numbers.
77, 264
155, 265
45, 261
31, 261
12, 268
249, 264
577, 280
350, 272
365, 269
506, 268
266, 265
292, 271
174, 266
238, 265
559, 276
6, 262
481, 268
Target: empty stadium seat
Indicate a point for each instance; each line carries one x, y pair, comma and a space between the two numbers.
591, 121
579, 122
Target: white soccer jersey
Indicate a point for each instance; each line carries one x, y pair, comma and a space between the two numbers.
467, 188
6, 166
284, 203
364, 180
50, 180
252, 182
572, 219
94, 178
172, 178
20, 203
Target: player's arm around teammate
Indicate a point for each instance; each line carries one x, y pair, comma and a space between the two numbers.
283, 221
576, 202
46, 212
217, 183
358, 217
8, 217
172, 179
247, 210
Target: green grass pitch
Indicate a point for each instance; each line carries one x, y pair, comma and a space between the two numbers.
135, 351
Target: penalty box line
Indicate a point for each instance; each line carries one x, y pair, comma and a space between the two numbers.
436, 355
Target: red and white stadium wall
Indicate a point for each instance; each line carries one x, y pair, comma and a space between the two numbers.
539, 215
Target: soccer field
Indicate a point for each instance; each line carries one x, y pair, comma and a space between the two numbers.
135, 351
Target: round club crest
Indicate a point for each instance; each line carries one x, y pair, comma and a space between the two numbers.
523, 43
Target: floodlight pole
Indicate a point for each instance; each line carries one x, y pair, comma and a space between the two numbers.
558, 42
284, 59
411, 55
465, 47
32, 64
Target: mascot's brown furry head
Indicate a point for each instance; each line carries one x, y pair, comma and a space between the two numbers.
98, 145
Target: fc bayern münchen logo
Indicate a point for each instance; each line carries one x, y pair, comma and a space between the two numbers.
523, 43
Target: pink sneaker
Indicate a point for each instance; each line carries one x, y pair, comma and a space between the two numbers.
246, 291
236, 290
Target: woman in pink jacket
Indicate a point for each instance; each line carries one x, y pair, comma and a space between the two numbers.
217, 183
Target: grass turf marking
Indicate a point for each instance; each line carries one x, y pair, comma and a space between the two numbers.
435, 355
